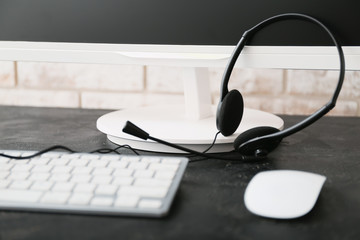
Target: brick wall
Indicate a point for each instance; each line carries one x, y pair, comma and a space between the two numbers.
121, 86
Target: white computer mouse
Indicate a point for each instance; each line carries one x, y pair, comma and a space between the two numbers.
283, 194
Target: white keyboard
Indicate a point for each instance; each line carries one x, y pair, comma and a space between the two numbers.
90, 183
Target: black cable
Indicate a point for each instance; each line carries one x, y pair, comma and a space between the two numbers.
213, 143
192, 156
38, 153
110, 150
100, 150
204, 154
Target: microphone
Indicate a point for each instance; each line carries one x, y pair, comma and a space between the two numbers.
135, 131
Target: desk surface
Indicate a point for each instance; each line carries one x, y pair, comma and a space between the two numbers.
209, 203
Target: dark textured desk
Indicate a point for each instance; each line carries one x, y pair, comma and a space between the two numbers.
209, 204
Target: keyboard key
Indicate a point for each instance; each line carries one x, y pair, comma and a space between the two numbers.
41, 176
102, 171
85, 187
123, 172
82, 170
72, 155
167, 175
42, 185
60, 177
20, 184
18, 175
78, 162
146, 182
144, 173
150, 204
51, 155
158, 192
163, 166
80, 198
55, 197
4, 183
41, 168
123, 181
63, 187
61, 169
4, 160
4, 174
21, 168
6, 166
150, 159
138, 165
130, 158
126, 201
103, 189
40, 161
19, 195
19, 161
101, 179
58, 161
81, 178
118, 164
96, 163
102, 201
110, 157
89, 156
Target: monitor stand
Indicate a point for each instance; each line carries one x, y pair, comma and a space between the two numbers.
192, 125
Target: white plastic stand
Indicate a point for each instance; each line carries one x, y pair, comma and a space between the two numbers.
192, 125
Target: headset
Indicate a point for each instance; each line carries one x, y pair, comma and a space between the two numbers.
258, 142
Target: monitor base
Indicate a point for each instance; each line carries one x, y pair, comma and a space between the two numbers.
170, 124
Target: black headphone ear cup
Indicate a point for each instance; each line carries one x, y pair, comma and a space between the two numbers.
256, 147
230, 112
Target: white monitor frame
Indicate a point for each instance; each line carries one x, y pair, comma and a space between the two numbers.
314, 57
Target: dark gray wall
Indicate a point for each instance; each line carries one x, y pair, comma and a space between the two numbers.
219, 22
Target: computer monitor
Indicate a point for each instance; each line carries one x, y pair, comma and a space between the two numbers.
192, 34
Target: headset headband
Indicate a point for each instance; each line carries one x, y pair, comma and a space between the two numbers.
319, 113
